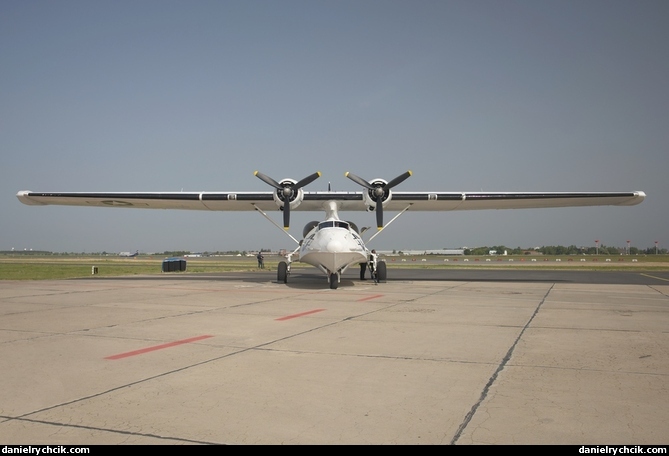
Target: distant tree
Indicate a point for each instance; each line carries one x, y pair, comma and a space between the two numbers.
609, 250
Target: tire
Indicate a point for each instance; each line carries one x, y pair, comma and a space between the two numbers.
334, 282
381, 271
282, 272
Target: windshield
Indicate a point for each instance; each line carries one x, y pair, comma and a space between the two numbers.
333, 224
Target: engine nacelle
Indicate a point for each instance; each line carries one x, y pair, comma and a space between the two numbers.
370, 198
295, 197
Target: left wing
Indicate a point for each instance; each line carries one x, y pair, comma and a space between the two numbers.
212, 201
347, 201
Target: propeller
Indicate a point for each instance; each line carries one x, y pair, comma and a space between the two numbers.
378, 191
286, 190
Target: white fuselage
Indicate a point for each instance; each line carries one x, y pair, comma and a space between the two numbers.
333, 246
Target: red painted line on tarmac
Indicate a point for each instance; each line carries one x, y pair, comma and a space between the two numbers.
370, 297
157, 347
288, 317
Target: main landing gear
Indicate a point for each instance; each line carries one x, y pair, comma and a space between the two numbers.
282, 272
380, 273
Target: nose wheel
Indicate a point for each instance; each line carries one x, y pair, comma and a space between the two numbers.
334, 281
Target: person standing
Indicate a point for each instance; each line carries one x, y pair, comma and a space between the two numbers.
372, 262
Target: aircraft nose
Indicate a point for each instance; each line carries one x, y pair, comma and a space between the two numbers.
334, 246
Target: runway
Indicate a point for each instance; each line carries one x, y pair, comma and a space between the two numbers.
431, 357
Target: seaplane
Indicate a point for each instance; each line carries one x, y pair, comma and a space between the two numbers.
333, 244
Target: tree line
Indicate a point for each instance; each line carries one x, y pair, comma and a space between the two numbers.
562, 250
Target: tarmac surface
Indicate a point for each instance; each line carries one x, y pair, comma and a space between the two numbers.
431, 357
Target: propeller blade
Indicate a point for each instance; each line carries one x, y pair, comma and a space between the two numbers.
358, 180
286, 215
379, 215
268, 180
307, 180
398, 180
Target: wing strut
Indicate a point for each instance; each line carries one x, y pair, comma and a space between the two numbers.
391, 221
276, 224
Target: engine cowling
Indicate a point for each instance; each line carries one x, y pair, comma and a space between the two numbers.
370, 198
295, 198
378, 193
288, 193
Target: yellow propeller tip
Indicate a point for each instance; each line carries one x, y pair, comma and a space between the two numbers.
255, 173
410, 173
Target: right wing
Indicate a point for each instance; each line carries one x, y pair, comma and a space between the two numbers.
464, 201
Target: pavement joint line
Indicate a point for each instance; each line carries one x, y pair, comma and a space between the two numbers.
136, 382
586, 369
373, 356
115, 431
493, 378
659, 291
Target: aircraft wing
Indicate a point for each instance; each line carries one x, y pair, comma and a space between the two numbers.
348, 201
213, 201
454, 201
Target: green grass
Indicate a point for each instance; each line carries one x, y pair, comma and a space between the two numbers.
19, 267
590, 262
54, 267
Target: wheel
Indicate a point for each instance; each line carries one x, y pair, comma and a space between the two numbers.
334, 281
282, 272
381, 271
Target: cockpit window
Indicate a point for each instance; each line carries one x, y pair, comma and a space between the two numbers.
333, 224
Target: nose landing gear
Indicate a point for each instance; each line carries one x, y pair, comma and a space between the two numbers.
334, 280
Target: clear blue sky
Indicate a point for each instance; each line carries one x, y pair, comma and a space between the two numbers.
196, 95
